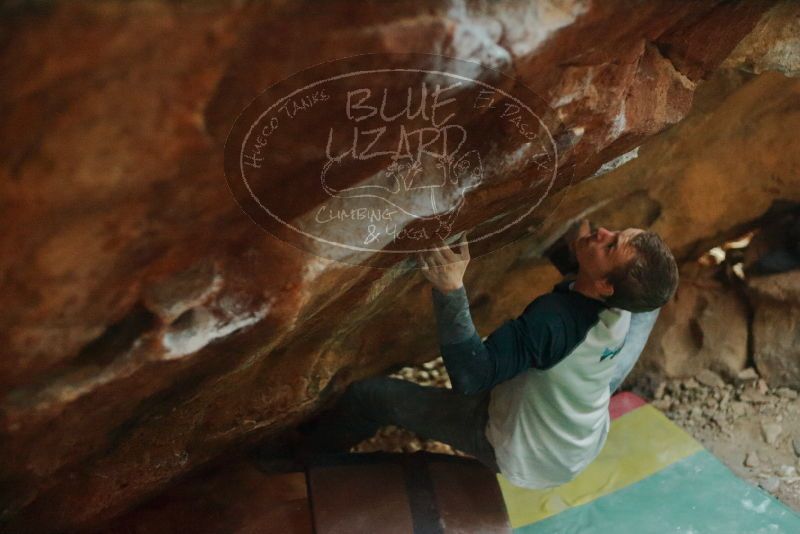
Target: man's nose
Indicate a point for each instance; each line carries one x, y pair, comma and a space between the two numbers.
604, 234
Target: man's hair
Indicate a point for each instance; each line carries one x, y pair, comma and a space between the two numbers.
649, 280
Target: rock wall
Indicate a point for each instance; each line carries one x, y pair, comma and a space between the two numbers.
776, 327
727, 169
150, 326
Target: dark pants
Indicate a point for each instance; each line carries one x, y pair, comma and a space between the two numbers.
430, 412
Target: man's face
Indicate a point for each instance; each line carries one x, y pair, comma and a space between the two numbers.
600, 252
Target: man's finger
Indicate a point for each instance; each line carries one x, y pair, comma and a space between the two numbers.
446, 252
421, 262
585, 228
438, 255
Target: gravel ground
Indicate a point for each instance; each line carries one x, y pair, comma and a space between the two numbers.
395, 439
753, 429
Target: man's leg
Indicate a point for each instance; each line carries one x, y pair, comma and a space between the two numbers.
641, 326
431, 413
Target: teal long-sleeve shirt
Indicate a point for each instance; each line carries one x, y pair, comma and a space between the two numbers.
544, 334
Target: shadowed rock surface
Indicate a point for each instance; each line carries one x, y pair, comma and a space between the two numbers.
150, 326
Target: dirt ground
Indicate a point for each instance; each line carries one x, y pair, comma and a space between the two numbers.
753, 429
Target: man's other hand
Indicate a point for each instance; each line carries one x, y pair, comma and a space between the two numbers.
580, 229
562, 252
445, 268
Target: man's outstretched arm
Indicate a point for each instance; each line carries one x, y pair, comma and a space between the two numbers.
535, 339
641, 325
473, 365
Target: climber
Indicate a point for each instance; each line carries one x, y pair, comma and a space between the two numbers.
531, 400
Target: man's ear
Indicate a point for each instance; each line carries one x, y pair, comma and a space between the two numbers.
604, 287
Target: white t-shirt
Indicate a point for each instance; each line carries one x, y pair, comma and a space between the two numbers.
546, 425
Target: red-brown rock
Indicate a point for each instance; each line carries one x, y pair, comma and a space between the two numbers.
148, 324
776, 322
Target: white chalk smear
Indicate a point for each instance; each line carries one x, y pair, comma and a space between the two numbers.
760, 509
206, 327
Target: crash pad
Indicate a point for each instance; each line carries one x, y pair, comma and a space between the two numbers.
650, 477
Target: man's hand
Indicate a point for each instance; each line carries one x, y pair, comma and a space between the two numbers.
445, 268
562, 252
581, 229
